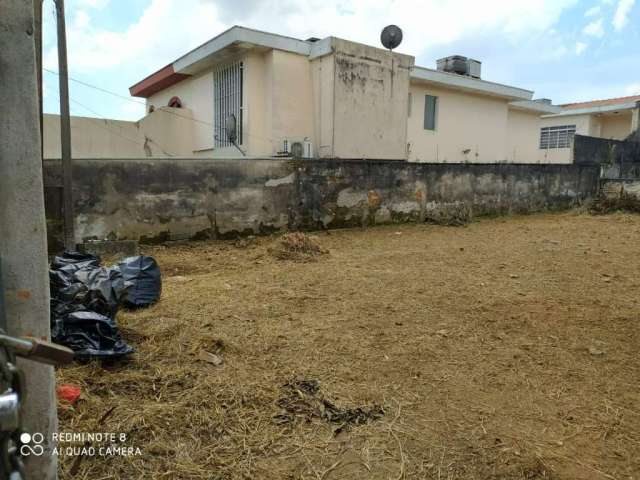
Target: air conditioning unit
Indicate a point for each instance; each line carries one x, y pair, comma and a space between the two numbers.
297, 148
460, 65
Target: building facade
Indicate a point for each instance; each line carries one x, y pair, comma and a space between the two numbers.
332, 98
247, 93
615, 118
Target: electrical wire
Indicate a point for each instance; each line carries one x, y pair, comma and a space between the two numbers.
116, 133
129, 99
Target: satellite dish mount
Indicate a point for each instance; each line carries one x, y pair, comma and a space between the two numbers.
231, 131
391, 37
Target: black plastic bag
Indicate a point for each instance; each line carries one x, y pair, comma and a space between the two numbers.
76, 260
85, 298
143, 281
90, 335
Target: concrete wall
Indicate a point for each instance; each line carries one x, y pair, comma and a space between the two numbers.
615, 127
323, 74
360, 96
614, 154
188, 198
464, 121
196, 94
165, 132
523, 137
291, 113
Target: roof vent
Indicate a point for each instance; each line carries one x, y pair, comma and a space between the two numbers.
546, 101
312, 39
460, 65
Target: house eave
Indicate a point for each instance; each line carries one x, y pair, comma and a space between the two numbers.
227, 46
469, 84
533, 106
595, 110
242, 37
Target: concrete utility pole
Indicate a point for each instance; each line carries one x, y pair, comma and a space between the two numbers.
37, 23
65, 131
22, 222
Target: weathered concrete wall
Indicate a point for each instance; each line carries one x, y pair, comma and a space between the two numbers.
155, 200
360, 101
619, 163
343, 193
614, 154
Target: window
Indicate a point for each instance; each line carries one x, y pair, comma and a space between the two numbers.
227, 100
430, 111
409, 107
557, 137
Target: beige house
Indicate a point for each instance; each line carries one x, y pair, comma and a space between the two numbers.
614, 118
332, 98
319, 98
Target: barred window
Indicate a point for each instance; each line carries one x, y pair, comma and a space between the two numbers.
557, 137
227, 100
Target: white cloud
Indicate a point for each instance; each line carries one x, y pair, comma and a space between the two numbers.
115, 57
169, 28
97, 4
621, 17
580, 47
632, 89
593, 11
594, 29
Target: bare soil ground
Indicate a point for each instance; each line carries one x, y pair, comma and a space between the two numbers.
507, 349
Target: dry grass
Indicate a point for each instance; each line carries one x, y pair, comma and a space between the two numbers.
504, 350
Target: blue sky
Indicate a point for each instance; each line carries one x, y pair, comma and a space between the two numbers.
566, 50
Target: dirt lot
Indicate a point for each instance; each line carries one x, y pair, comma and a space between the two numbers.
507, 349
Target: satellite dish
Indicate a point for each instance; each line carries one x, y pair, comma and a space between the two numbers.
230, 128
391, 36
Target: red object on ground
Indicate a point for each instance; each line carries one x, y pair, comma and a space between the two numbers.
68, 393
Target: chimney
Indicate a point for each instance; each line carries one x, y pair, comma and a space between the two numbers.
460, 65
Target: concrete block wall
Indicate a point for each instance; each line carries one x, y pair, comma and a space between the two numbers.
163, 199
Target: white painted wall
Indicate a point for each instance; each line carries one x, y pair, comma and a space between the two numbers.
165, 132
196, 94
616, 127
523, 137
464, 121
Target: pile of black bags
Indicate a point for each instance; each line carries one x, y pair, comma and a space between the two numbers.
86, 296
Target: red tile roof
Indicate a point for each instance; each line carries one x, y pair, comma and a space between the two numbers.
602, 103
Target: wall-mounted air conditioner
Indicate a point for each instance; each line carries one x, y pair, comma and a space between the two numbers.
297, 148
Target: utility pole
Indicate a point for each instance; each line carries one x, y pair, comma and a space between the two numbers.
23, 246
65, 131
37, 17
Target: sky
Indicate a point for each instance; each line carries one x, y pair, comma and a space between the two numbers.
566, 50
